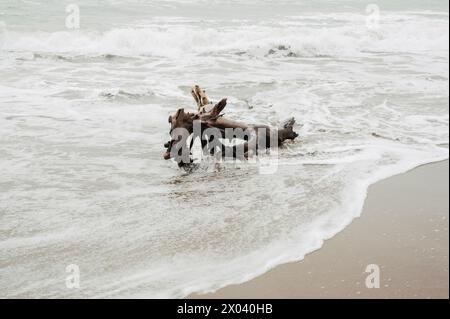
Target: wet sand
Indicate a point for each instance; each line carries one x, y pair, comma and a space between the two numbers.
403, 230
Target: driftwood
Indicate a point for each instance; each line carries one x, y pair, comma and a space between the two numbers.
212, 126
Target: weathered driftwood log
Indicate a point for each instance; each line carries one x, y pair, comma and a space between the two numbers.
212, 127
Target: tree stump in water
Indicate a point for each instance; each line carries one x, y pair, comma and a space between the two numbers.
210, 126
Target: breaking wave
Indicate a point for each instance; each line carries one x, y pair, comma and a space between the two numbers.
342, 35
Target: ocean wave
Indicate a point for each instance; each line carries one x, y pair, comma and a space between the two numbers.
349, 37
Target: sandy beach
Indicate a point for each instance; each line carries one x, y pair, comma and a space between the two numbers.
403, 229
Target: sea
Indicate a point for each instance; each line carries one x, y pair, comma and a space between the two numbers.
90, 209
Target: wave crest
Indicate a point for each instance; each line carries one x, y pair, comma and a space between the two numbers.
347, 37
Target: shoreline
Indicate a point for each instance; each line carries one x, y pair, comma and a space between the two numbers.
403, 229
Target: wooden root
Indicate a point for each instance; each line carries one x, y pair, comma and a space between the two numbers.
211, 116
